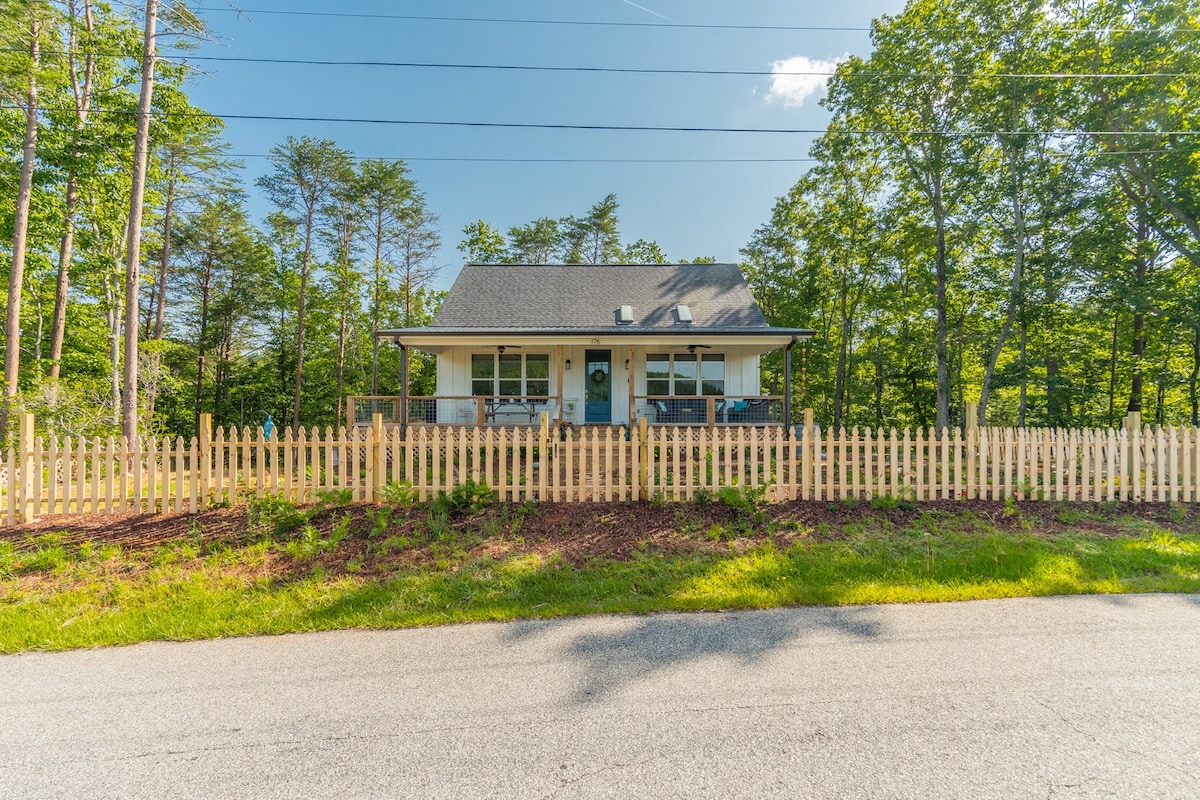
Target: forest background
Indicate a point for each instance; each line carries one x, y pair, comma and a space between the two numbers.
1005, 207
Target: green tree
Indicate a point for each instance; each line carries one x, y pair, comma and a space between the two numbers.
483, 243
304, 174
593, 238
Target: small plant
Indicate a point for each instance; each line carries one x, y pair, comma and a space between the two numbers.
340, 529
743, 498
332, 498
379, 519
308, 544
885, 502
658, 500
394, 544
1010, 507
702, 497
266, 516
398, 493
467, 495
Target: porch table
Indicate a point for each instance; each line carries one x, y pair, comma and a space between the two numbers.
492, 406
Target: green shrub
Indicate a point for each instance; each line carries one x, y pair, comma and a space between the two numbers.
467, 495
267, 516
398, 493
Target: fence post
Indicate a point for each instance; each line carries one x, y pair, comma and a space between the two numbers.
543, 459
643, 458
374, 474
205, 464
25, 458
810, 467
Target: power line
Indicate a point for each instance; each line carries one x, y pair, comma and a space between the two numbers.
678, 25
517, 160
624, 128
530, 21
510, 160
639, 70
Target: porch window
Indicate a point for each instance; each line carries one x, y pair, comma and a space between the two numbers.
684, 374
510, 374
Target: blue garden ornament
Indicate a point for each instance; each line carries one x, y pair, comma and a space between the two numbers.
268, 427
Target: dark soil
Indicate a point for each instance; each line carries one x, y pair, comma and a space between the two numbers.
583, 532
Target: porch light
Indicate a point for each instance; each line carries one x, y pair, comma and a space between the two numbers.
567, 365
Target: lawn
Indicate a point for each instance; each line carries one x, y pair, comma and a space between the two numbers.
270, 567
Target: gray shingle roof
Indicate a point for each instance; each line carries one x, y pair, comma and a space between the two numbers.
565, 297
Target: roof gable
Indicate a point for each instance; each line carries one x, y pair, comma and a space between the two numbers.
543, 297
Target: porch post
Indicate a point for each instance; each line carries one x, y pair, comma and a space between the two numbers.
558, 377
787, 386
403, 387
632, 402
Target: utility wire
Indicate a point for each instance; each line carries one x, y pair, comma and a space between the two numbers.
679, 25
517, 160
531, 21
642, 128
180, 57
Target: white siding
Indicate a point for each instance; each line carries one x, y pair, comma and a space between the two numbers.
741, 373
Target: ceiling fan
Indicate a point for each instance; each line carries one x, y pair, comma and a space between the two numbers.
692, 347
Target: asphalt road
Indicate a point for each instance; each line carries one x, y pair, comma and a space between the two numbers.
1041, 698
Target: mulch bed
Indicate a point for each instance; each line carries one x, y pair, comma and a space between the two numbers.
582, 532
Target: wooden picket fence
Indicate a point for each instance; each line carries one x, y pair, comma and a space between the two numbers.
77, 476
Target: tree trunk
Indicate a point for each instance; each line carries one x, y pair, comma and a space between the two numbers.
1054, 413
304, 265
129, 384
341, 364
377, 300
1112, 373
1139, 317
83, 103
942, 419
12, 327
160, 309
58, 329
202, 344
1023, 403
160, 297
1014, 295
1194, 378
114, 344
879, 385
839, 378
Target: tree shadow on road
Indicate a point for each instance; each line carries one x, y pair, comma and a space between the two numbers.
632, 649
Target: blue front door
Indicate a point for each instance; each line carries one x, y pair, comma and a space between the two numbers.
597, 405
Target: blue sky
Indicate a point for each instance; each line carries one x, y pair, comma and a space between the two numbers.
690, 209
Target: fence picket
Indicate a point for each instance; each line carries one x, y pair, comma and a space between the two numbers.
74, 476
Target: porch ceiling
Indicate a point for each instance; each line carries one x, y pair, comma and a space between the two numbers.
435, 341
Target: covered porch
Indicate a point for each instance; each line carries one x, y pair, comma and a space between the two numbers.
510, 379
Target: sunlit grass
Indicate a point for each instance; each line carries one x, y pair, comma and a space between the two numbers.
56, 595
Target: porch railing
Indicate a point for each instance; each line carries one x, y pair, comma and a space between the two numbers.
507, 410
710, 410
707, 412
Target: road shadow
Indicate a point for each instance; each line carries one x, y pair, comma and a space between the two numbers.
639, 647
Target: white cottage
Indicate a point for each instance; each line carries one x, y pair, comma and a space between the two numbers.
677, 344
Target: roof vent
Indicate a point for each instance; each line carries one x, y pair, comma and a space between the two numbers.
625, 315
683, 314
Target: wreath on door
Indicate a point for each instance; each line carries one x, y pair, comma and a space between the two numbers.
599, 376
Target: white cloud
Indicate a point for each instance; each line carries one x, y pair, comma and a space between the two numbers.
795, 79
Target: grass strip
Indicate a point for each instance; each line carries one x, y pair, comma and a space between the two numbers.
57, 596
